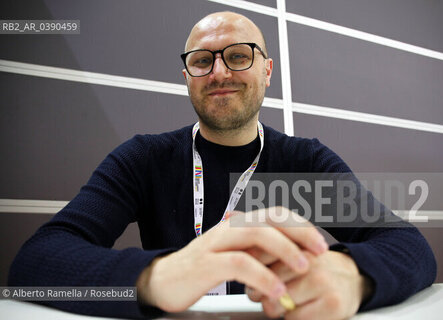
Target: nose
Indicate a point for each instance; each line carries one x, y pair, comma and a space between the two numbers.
220, 71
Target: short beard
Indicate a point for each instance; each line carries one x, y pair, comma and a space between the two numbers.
232, 121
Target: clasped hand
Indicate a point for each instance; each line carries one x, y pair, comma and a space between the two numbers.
269, 258
331, 288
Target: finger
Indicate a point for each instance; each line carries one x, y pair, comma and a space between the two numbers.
243, 268
253, 295
269, 239
283, 272
297, 228
286, 275
326, 307
301, 289
261, 255
272, 308
310, 287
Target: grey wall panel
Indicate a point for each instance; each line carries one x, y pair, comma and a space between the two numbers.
333, 70
374, 148
434, 238
141, 39
416, 22
272, 118
56, 134
53, 136
268, 3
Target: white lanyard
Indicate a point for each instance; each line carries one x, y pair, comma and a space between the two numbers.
235, 195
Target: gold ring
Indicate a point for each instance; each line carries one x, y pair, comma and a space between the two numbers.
287, 302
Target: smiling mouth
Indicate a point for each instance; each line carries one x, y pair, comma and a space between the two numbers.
222, 92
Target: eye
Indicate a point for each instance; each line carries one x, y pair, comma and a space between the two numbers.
200, 59
238, 58
203, 62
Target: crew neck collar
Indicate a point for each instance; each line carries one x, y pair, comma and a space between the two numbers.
201, 142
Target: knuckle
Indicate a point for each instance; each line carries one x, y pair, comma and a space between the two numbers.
272, 212
291, 247
334, 302
249, 232
280, 209
313, 236
300, 220
309, 231
265, 279
238, 260
320, 279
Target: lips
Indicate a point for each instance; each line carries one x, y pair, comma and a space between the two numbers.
222, 92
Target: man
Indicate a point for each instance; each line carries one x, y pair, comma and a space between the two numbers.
157, 180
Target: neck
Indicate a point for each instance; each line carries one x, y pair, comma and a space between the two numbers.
232, 138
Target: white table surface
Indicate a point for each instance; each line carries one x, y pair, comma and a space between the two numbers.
427, 304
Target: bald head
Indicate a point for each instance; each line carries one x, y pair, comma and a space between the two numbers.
219, 26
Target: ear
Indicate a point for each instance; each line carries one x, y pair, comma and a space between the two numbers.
269, 66
185, 75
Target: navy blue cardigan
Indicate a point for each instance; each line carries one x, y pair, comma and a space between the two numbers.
148, 180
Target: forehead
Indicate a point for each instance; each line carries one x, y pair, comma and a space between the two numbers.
218, 32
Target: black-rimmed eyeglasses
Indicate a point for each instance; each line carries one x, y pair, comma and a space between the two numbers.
237, 57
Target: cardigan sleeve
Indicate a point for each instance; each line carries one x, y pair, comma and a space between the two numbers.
396, 257
74, 248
